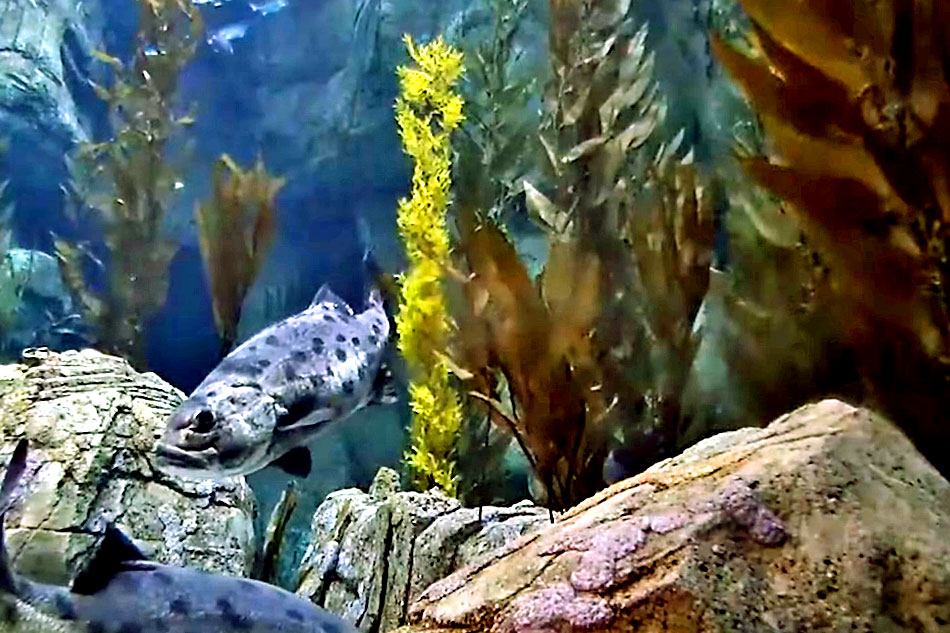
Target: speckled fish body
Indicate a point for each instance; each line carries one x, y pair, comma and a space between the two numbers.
146, 597
278, 390
120, 591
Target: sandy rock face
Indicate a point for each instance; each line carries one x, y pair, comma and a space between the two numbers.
826, 520
92, 422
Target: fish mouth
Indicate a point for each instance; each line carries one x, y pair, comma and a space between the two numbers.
173, 458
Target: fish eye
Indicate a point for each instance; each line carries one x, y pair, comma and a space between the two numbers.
204, 421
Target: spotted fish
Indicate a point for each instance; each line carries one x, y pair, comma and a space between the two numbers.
121, 591
273, 394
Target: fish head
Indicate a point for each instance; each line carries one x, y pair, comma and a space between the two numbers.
216, 434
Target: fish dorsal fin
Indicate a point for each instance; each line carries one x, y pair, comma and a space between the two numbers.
114, 553
13, 474
10, 480
328, 297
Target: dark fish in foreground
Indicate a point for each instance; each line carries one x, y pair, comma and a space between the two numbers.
273, 394
120, 591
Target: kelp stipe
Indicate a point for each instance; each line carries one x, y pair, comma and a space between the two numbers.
129, 183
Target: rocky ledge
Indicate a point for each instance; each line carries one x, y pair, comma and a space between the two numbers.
92, 422
826, 520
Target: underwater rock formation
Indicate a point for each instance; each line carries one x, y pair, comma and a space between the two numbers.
92, 422
39, 42
36, 309
371, 554
828, 519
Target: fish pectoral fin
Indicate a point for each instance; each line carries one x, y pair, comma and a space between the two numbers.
14, 471
302, 415
296, 462
384, 389
114, 554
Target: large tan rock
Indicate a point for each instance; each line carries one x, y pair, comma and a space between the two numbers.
826, 520
92, 422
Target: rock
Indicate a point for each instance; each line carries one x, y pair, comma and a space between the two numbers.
38, 45
92, 422
36, 309
371, 554
826, 520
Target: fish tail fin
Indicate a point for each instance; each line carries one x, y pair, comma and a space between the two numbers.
10, 480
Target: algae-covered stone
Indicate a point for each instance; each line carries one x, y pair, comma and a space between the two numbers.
371, 554
92, 422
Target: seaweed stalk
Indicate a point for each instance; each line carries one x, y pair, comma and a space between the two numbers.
129, 184
427, 112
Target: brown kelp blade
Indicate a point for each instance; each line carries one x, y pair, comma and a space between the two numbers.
235, 230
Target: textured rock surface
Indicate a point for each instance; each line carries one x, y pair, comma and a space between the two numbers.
827, 520
371, 554
92, 422
38, 42
36, 310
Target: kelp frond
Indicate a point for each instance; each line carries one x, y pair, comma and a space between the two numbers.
532, 340
235, 232
129, 183
855, 100
861, 136
427, 112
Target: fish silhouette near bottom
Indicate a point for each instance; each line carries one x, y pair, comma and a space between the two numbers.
121, 591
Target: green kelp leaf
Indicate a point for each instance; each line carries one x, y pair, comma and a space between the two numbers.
583, 149
105, 57
630, 64
667, 151
103, 93
550, 154
608, 13
625, 96
639, 131
545, 212
573, 113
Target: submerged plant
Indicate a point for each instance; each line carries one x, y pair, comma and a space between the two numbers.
235, 231
427, 112
523, 350
493, 150
597, 350
129, 183
855, 100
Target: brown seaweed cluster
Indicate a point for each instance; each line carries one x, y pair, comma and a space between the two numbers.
235, 231
129, 183
601, 343
854, 98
